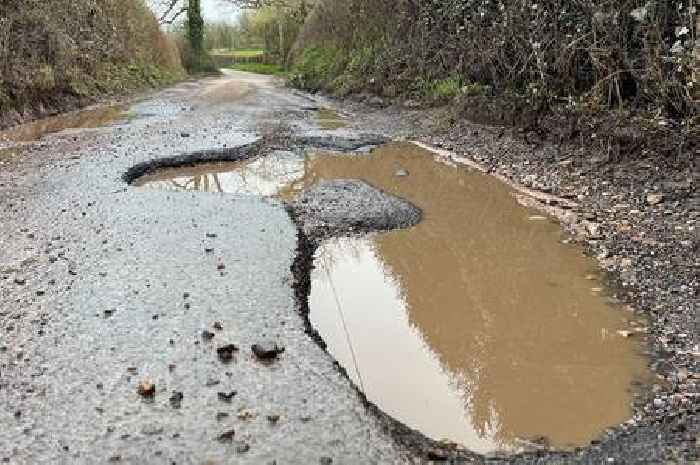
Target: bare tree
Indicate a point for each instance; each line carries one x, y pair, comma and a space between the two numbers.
171, 10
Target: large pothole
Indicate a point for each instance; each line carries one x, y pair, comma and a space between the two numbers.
477, 325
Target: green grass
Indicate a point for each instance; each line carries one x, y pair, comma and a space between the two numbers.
248, 53
317, 67
259, 68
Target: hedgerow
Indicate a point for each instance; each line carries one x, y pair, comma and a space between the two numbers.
636, 53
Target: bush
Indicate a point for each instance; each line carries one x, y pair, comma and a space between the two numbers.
58, 51
636, 53
316, 68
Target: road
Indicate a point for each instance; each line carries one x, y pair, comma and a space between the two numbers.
106, 287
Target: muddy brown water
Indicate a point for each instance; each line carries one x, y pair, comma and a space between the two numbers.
89, 118
329, 119
478, 326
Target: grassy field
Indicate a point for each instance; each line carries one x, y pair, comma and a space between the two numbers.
238, 53
259, 68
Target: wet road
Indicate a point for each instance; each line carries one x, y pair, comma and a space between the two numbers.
105, 287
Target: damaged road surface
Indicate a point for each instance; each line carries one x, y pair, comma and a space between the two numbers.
158, 299
116, 303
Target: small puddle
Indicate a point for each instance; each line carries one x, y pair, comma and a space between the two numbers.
478, 325
329, 119
91, 118
266, 176
10, 153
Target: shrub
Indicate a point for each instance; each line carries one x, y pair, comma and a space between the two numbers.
70, 50
626, 53
317, 67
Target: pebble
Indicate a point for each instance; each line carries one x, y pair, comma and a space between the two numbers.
266, 350
226, 396
227, 436
146, 389
176, 399
655, 199
226, 352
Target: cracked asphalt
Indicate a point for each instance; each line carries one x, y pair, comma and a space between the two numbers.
105, 287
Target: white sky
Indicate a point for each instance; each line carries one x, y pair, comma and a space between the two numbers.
212, 10
218, 10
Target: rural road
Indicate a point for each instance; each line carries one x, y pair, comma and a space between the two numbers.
105, 287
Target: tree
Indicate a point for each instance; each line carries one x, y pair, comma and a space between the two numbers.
280, 33
195, 29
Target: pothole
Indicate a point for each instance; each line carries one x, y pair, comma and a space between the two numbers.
477, 325
88, 118
330, 119
265, 176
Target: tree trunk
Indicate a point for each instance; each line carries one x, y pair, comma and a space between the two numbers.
696, 67
195, 31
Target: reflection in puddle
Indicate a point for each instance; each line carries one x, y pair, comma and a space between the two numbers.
90, 118
330, 119
264, 176
478, 325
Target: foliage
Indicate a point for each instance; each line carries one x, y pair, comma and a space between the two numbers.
87, 50
609, 54
316, 68
277, 27
439, 90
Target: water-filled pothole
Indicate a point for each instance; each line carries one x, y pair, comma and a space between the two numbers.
265, 176
478, 325
88, 118
330, 119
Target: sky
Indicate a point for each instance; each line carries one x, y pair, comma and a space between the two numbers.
218, 10
212, 10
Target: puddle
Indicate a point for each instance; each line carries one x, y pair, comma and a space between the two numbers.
478, 325
266, 176
91, 118
10, 153
329, 119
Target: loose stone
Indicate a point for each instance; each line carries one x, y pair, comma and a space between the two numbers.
267, 350
147, 389
226, 352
